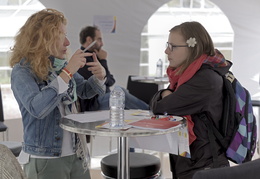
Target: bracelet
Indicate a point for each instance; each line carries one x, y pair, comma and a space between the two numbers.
67, 72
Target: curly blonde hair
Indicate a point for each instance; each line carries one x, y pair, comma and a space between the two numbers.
37, 39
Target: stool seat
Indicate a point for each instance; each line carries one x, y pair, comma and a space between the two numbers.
15, 147
141, 165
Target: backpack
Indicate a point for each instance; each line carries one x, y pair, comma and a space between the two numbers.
238, 131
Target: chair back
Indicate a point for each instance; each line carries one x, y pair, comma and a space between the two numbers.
3, 127
141, 90
13, 146
241, 171
1, 107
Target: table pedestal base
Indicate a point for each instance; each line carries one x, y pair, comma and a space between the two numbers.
123, 158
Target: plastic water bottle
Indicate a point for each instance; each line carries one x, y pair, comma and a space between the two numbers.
159, 68
117, 106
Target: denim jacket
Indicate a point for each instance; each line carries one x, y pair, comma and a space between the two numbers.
38, 102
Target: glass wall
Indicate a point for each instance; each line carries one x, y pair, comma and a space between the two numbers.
155, 33
13, 14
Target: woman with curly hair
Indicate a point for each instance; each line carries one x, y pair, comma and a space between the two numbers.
46, 87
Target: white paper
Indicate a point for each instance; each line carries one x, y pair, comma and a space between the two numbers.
164, 143
183, 143
89, 116
92, 116
175, 143
137, 114
106, 23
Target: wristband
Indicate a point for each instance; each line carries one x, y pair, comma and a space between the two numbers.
67, 72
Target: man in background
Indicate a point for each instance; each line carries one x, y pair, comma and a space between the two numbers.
91, 40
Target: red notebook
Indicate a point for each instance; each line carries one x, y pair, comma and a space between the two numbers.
154, 124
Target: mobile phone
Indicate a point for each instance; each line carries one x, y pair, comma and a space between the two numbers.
88, 47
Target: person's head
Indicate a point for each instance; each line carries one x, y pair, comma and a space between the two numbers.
88, 35
43, 35
187, 42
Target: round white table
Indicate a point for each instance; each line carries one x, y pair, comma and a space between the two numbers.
90, 128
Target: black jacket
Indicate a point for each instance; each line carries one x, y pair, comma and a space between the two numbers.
203, 93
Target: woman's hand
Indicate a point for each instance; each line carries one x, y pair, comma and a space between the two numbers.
166, 93
96, 68
77, 61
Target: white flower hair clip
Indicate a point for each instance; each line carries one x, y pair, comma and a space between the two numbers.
191, 42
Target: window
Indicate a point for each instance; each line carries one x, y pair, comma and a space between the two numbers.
156, 31
13, 14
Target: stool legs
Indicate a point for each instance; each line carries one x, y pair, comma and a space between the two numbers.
123, 158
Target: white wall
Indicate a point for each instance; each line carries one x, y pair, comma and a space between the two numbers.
244, 17
124, 46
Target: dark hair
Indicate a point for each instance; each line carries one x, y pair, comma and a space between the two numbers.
89, 31
204, 42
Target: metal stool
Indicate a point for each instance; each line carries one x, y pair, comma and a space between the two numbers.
141, 166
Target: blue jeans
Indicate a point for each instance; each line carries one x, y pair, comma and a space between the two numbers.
131, 102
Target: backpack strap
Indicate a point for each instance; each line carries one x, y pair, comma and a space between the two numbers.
229, 105
229, 75
212, 136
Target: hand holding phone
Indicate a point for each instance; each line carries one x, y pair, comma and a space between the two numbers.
90, 45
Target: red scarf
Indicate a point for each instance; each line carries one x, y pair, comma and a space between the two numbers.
177, 80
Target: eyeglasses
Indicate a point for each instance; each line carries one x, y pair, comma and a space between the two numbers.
171, 46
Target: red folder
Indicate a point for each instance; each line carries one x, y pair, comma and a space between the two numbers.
155, 124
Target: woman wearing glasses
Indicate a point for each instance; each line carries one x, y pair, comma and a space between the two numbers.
194, 89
